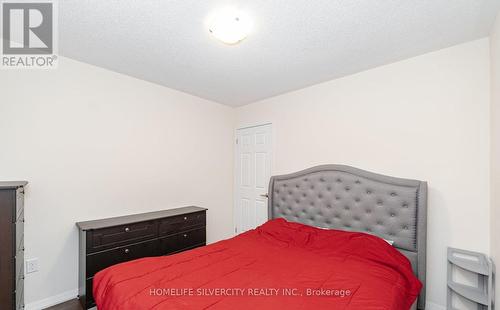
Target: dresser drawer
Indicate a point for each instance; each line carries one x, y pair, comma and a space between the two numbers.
11, 245
174, 224
112, 237
107, 242
101, 260
178, 242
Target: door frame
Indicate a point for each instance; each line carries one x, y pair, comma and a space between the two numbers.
236, 173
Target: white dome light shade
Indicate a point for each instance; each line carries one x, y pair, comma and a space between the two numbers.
230, 26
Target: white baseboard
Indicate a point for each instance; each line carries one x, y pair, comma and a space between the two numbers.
52, 300
433, 306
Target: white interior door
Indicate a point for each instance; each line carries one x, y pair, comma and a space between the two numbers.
253, 170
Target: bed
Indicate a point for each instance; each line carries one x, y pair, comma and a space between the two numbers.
322, 248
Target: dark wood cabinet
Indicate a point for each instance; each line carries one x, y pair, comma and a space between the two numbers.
12, 245
107, 242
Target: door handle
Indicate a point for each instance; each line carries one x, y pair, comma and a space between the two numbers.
264, 195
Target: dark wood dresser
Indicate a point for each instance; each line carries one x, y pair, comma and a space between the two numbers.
12, 245
115, 240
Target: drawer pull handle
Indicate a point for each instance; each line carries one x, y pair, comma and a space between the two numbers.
127, 229
127, 251
185, 218
185, 235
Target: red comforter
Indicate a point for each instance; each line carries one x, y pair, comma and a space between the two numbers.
279, 265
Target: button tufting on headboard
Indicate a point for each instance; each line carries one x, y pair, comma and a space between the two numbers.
343, 197
353, 202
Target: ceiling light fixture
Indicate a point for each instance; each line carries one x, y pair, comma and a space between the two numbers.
230, 26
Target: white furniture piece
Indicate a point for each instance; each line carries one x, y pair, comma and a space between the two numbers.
476, 263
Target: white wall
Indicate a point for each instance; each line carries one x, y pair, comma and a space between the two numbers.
425, 118
495, 148
93, 144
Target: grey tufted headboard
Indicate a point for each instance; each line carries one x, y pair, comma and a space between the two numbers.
347, 198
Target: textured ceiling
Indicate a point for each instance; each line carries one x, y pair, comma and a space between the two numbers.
294, 43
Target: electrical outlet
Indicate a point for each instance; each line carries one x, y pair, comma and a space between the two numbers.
31, 265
